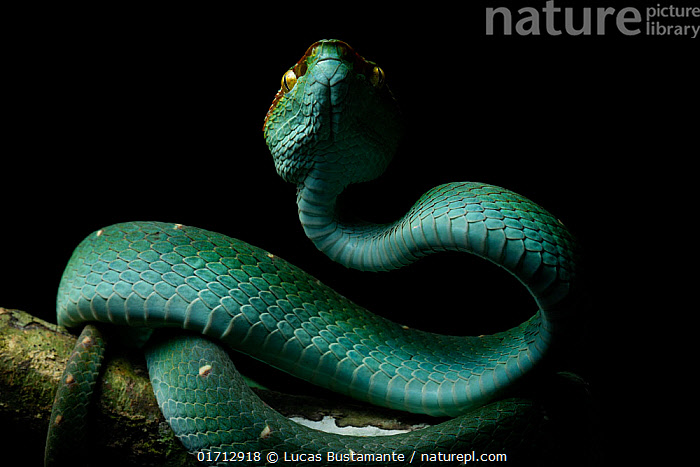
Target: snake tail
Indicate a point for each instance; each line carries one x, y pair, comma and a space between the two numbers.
67, 435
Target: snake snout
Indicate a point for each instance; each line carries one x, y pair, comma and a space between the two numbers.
330, 71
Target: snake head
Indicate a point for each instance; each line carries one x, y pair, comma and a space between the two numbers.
333, 115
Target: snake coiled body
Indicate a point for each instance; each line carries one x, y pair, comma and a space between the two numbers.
332, 123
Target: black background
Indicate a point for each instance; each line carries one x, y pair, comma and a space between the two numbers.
157, 115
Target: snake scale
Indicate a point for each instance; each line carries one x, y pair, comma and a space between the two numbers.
332, 123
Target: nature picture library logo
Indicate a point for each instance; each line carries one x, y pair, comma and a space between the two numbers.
553, 20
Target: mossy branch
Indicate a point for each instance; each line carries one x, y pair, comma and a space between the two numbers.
131, 430
130, 427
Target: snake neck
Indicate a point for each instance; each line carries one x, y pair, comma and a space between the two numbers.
487, 221
352, 244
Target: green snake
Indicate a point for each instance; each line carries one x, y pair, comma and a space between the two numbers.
332, 123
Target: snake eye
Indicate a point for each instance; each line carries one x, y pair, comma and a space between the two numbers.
289, 80
377, 77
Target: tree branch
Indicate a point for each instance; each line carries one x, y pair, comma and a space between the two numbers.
132, 430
